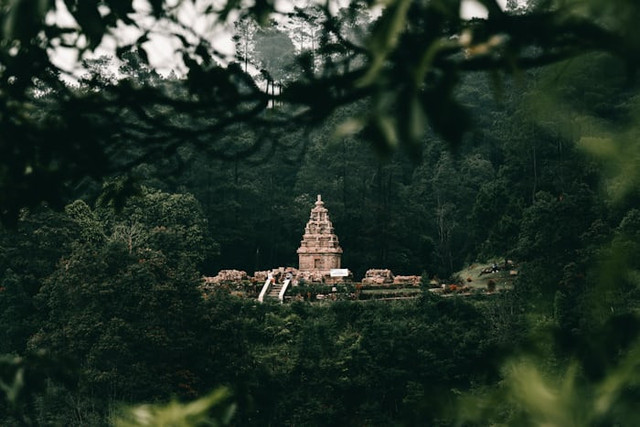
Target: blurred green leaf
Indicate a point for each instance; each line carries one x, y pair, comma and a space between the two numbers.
384, 38
215, 409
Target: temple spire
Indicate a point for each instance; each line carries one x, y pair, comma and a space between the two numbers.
319, 249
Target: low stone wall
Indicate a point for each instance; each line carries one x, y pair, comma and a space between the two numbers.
227, 276
278, 273
373, 277
378, 277
312, 276
407, 280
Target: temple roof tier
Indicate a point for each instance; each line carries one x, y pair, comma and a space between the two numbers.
319, 248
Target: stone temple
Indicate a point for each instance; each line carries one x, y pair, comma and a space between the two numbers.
319, 250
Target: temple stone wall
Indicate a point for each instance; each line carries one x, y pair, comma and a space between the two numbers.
319, 249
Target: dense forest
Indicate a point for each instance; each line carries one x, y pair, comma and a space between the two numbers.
122, 188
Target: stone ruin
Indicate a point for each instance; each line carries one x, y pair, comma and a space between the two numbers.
230, 280
319, 251
373, 277
227, 276
378, 277
278, 273
383, 277
407, 280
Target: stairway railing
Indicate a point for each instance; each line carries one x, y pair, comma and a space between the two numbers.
285, 285
265, 288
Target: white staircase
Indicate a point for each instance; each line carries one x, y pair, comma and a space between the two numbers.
273, 291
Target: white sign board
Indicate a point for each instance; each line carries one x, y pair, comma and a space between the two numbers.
339, 272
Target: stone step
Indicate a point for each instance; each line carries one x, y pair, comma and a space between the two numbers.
274, 291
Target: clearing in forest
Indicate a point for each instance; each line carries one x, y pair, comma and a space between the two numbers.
480, 275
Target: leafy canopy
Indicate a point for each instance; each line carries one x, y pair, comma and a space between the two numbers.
406, 66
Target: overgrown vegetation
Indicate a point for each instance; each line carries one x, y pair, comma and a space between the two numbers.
118, 194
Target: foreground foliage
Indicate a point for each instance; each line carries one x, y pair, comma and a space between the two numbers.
100, 301
176, 414
129, 321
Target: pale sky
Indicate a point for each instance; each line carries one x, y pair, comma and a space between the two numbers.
161, 50
473, 9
